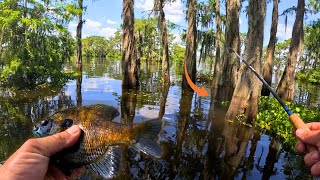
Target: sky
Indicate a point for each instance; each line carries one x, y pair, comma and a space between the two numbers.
103, 17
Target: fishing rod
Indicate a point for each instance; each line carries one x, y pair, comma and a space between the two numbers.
296, 121
294, 118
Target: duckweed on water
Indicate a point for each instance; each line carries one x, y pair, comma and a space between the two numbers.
275, 120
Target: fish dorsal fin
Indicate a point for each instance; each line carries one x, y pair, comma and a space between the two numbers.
146, 137
109, 165
106, 111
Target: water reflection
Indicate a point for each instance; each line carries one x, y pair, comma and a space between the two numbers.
271, 159
17, 114
197, 142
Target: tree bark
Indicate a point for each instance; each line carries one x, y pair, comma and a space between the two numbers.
165, 53
231, 64
218, 64
79, 37
128, 105
245, 97
163, 100
268, 65
277, 75
286, 85
130, 77
78, 91
191, 46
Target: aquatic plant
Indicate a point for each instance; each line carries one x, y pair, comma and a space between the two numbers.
275, 120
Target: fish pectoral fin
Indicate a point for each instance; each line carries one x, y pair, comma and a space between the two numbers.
109, 165
147, 133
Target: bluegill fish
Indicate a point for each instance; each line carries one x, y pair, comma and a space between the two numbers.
98, 147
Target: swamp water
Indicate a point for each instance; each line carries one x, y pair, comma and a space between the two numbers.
197, 142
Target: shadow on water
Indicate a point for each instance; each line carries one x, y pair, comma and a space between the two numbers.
197, 143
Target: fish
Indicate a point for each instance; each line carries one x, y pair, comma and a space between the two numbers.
98, 147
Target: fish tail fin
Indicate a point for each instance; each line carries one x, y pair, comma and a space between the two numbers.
146, 137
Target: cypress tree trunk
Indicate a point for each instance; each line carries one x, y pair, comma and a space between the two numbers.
79, 37
231, 64
130, 77
218, 64
165, 53
163, 100
268, 65
128, 105
245, 97
78, 91
191, 47
286, 85
277, 75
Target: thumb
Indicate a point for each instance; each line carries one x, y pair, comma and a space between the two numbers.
309, 137
50, 145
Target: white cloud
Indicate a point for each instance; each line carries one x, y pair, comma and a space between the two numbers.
72, 25
173, 11
111, 22
144, 4
92, 25
282, 33
73, 33
108, 32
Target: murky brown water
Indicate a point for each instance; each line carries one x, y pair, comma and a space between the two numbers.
197, 142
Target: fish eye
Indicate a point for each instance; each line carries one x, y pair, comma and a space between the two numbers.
67, 122
44, 122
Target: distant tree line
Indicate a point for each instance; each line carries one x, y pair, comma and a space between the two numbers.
147, 44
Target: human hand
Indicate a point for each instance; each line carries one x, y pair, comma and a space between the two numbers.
31, 160
310, 137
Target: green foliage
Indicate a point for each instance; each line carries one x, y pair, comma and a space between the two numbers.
94, 46
177, 53
312, 76
34, 42
275, 120
148, 38
314, 6
310, 63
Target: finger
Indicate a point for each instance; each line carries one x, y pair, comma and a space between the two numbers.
312, 158
308, 137
314, 126
300, 147
50, 145
315, 169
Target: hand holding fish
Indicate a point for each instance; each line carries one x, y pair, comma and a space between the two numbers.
31, 160
312, 137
